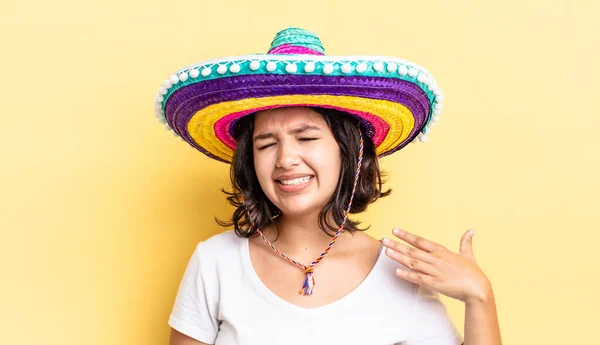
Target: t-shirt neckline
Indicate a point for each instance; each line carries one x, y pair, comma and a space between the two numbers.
261, 288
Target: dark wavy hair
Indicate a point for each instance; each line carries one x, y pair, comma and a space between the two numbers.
247, 196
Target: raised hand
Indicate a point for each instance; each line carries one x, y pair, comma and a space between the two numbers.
432, 265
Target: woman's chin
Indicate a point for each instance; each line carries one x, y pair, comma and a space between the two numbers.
300, 210
295, 212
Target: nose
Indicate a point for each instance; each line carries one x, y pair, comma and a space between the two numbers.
287, 156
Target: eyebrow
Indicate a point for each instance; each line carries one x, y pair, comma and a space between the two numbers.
292, 131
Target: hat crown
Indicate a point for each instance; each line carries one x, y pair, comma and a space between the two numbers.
292, 41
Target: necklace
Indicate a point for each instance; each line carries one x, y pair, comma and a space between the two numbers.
309, 281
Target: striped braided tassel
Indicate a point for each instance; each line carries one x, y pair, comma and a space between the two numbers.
309, 282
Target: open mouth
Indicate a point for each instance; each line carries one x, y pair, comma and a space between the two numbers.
295, 182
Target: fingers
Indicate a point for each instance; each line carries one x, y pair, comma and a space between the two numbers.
409, 251
411, 262
417, 241
415, 277
466, 244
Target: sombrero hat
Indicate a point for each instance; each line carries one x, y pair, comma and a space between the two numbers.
395, 100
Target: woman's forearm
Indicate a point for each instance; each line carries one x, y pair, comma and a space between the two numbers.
481, 320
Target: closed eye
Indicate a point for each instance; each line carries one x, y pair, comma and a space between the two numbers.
300, 139
264, 147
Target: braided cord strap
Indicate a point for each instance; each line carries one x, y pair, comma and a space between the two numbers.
309, 281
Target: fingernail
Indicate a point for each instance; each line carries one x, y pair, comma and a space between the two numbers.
386, 240
471, 232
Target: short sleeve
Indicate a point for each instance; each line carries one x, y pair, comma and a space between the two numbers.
195, 310
431, 323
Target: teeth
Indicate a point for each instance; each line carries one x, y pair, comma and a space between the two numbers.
295, 181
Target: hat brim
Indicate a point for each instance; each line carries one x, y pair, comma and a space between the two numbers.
393, 105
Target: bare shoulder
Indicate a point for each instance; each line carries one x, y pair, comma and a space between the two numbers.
366, 242
178, 338
364, 248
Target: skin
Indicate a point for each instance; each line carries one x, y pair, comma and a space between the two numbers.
312, 151
315, 152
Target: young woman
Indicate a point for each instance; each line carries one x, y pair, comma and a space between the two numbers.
304, 133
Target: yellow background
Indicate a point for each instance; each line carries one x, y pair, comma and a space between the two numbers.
101, 207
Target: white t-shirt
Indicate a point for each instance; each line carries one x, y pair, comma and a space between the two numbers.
221, 300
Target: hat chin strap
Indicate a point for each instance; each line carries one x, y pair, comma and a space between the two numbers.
309, 281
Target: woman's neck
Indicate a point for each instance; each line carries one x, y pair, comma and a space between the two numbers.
302, 233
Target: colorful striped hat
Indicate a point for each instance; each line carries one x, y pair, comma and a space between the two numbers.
396, 101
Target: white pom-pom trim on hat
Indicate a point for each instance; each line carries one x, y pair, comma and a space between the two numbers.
422, 138
174, 79
402, 70
271, 66
309, 67
183, 76
235, 68
361, 68
392, 67
413, 72
167, 83
346, 68
222, 69
378, 67
291, 68
206, 72
194, 73
328, 69
254, 65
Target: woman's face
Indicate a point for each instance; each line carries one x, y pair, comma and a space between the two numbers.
296, 158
